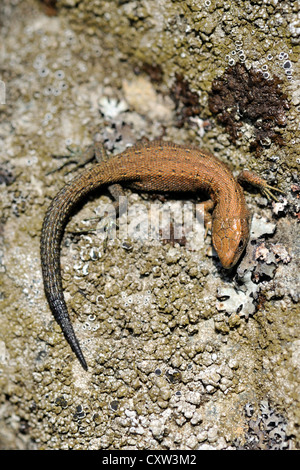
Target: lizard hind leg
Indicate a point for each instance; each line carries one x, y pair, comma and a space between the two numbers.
75, 157
206, 213
116, 191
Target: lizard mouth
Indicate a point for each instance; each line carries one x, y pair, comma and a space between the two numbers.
230, 258
230, 239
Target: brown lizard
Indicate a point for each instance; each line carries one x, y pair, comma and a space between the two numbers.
155, 166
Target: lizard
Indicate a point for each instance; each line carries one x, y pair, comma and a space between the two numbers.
158, 166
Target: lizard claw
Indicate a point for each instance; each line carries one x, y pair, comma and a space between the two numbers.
267, 191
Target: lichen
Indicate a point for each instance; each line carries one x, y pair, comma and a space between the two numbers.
241, 96
267, 432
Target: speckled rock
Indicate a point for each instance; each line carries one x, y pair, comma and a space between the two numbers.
181, 354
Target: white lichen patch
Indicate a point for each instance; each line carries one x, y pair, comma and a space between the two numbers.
142, 97
241, 298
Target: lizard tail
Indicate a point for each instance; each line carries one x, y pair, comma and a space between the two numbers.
60, 311
52, 232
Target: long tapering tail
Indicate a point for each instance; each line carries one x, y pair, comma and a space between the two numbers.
52, 231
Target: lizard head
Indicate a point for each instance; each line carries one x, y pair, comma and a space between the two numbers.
230, 237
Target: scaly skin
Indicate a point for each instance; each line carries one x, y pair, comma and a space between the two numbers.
155, 166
